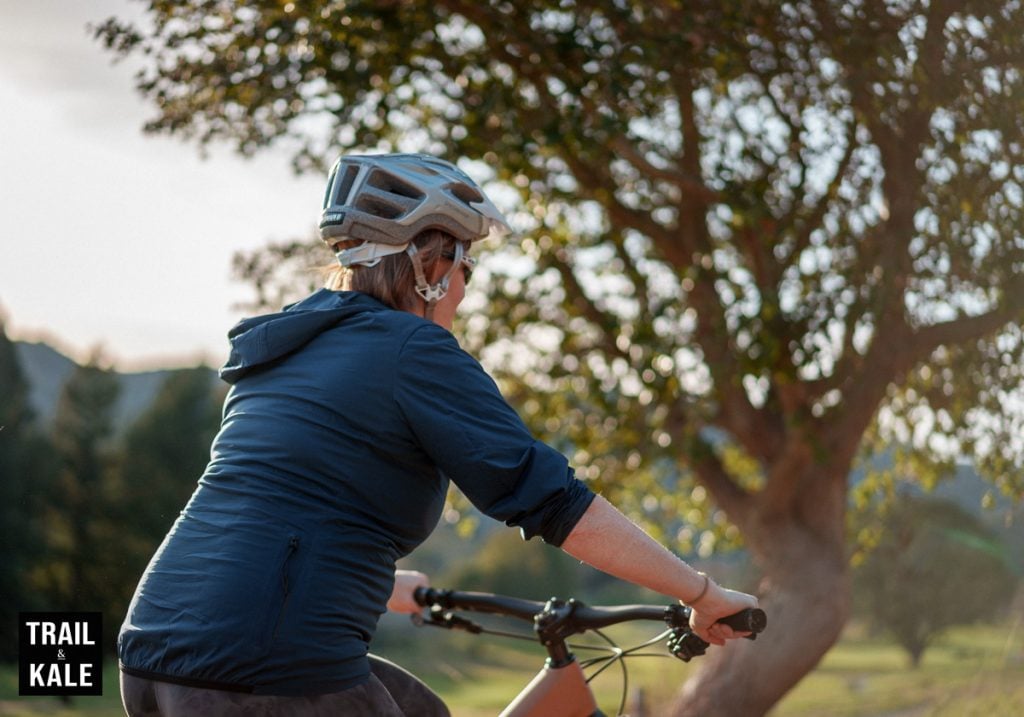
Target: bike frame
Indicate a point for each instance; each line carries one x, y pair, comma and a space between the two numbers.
555, 691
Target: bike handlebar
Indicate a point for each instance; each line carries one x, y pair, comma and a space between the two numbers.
478, 602
583, 617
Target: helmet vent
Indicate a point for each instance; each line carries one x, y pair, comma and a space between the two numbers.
341, 195
393, 185
465, 193
379, 207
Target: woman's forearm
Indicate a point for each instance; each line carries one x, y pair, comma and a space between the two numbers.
609, 541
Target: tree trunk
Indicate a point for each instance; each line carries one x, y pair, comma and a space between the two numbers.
805, 592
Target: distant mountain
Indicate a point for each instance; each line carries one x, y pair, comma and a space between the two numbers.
47, 370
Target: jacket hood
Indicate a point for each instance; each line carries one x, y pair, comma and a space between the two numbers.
259, 340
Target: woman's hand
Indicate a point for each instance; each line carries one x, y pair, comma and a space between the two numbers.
406, 582
716, 603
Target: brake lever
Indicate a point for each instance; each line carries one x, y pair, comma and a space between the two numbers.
439, 617
685, 645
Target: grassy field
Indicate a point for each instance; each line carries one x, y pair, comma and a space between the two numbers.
976, 671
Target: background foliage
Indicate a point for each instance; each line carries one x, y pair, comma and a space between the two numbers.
934, 566
85, 508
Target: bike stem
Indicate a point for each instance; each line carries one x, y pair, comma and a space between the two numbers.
553, 625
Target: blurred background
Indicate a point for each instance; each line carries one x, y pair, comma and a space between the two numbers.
766, 293
113, 240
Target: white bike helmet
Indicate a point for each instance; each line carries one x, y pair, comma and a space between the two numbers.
386, 200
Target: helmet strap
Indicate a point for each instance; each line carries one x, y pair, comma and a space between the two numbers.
368, 253
431, 294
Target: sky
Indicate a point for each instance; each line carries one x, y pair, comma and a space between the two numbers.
112, 239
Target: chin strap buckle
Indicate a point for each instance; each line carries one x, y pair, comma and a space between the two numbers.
431, 294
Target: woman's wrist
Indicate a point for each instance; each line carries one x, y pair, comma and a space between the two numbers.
703, 590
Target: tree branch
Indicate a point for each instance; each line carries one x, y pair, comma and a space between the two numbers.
604, 321
933, 48
588, 174
814, 218
638, 279
686, 183
683, 88
958, 331
736, 412
726, 493
885, 365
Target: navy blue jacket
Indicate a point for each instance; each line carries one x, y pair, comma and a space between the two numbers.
344, 424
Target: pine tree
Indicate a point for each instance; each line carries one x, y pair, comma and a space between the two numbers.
165, 452
77, 518
24, 476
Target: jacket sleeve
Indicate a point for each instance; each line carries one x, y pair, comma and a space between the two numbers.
472, 434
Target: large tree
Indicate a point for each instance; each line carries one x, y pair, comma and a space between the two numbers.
753, 229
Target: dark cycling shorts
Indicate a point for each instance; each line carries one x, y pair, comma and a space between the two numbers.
390, 692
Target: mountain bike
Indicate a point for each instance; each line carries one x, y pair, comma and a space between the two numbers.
561, 688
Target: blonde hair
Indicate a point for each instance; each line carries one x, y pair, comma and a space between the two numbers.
392, 281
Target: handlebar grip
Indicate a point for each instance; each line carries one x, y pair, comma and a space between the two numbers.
752, 620
424, 596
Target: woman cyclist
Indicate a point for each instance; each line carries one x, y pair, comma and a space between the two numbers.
349, 414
